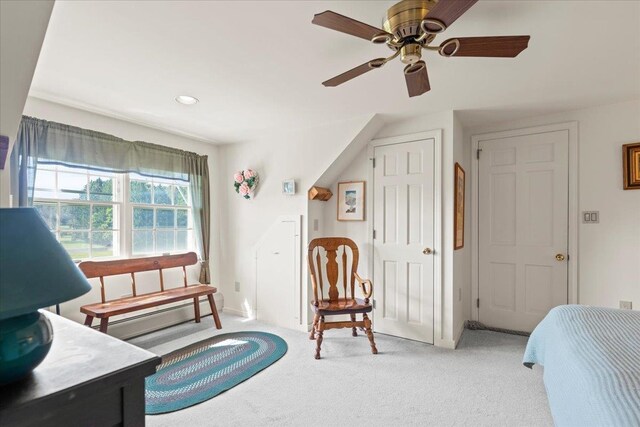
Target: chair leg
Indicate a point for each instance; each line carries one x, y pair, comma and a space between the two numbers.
196, 309
319, 336
312, 335
354, 332
104, 322
367, 326
88, 320
214, 312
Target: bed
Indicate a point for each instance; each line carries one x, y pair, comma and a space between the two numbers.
591, 359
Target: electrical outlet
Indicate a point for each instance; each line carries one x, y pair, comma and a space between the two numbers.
625, 305
237, 286
315, 225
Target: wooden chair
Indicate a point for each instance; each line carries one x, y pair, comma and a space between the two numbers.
334, 305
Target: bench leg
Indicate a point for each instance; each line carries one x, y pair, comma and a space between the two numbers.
88, 320
214, 312
104, 322
196, 308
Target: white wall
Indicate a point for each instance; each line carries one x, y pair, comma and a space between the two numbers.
462, 257
146, 282
301, 155
22, 28
609, 252
455, 271
357, 231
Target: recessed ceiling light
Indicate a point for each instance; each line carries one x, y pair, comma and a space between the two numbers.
186, 100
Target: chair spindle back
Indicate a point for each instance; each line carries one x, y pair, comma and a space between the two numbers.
331, 246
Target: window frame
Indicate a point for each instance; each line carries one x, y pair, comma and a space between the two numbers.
130, 206
123, 219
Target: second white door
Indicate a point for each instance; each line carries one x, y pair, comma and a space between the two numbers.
403, 242
523, 235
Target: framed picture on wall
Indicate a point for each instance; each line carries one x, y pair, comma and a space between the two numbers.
351, 203
458, 221
631, 166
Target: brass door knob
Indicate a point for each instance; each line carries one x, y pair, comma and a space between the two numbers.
427, 251
559, 257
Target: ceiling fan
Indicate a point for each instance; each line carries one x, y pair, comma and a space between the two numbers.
411, 26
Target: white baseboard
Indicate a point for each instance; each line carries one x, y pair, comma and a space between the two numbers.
458, 336
238, 312
450, 344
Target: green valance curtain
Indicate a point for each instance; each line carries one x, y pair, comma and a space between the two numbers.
42, 141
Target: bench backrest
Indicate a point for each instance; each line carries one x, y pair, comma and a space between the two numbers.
102, 269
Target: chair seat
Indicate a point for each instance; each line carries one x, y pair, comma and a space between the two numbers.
342, 306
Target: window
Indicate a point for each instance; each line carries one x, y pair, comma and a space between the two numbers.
82, 209
98, 214
160, 214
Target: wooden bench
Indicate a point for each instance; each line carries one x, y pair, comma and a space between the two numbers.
136, 302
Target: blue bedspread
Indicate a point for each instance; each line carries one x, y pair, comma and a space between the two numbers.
591, 359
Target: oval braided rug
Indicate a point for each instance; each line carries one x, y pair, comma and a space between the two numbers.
203, 370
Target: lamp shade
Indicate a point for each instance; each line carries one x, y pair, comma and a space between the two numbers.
35, 270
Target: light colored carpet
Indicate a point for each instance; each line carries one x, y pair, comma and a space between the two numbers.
482, 383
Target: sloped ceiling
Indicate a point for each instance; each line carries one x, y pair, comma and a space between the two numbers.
258, 65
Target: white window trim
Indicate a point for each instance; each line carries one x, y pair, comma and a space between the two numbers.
123, 222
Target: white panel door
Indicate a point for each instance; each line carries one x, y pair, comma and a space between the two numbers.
275, 276
523, 210
403, 223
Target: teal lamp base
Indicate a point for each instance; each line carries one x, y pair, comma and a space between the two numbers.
25, 341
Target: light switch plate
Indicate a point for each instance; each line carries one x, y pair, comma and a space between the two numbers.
590, 217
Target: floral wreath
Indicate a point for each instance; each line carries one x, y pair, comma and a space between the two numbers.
245, 182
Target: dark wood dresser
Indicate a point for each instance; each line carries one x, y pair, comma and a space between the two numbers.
87, 379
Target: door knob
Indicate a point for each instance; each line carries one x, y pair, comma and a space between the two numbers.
559, 257
427, 251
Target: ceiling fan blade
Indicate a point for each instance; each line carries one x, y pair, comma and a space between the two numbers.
447, 11
499, 46
335, 21
417, 78
354, 72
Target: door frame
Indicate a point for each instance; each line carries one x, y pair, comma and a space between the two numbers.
573, 214
438, 293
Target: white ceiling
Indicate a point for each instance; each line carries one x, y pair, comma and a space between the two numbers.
258, 65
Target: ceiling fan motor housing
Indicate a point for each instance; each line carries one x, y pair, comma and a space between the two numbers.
403, 18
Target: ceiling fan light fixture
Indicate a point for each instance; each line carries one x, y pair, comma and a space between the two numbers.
186, 100
411, 26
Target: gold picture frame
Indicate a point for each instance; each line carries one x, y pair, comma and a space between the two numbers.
351, 201
458, 220
631, 166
